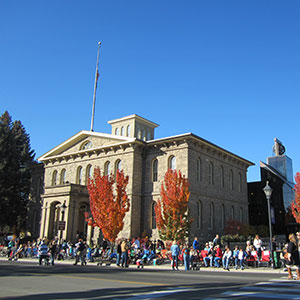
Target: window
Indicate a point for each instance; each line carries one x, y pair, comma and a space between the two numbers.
154, 170
240, 182
118, 166
79, 175
128, 130
88, 174
39, 187
139, 133
63, 176
117, 131
210, 173
211, 216
143, 135
198, 171
231, 179
107, 168
232, 213
172, 163
223, 216
199, 214
54, 178
222, 176
86, 145
122, 131
241, 215
148, 136
153, 216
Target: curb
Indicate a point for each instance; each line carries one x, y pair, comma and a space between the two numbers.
160, 267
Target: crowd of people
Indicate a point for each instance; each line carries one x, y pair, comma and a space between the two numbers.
144, 251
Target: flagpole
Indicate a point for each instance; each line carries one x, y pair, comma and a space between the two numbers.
95, 88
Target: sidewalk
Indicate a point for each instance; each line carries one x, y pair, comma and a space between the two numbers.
159, 267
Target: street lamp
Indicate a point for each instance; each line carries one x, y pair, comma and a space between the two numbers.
62, 225
268, 192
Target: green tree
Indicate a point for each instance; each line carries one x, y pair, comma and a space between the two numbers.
16, 158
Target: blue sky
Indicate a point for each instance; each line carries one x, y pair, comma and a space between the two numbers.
228, 71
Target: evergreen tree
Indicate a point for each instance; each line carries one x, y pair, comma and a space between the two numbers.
16, 157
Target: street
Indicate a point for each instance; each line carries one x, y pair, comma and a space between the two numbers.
27, 280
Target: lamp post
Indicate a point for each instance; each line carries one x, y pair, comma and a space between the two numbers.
268, 192
62, 225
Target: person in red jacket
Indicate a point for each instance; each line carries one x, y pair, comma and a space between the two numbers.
218, 256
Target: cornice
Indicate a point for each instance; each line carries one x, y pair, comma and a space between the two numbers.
93, 152
194, 141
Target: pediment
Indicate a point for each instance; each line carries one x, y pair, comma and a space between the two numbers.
85, 141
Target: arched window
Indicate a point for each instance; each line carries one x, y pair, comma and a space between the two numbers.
154, 170
232, 213
122, 131
63, 176
54, 178
128, 130
88, 174
211, 216
199, 214
117, 131
79, 175
240, 182
210, 173
241, 215
222, 176
153, 216
107, 168
231, 179
86, 145
172, 162
118, 166
223, 216
198, 171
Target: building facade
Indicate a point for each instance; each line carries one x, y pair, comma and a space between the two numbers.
217, 178
35, 201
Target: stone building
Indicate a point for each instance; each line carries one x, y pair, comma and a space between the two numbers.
35, 201
217, 177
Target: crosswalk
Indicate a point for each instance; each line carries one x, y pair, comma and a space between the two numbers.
273, 289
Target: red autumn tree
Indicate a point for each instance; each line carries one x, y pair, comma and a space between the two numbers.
171, 211
295, 205
108, 208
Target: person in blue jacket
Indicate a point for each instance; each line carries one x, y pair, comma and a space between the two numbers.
175, 252
196, 245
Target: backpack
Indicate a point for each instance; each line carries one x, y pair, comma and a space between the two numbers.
81, 247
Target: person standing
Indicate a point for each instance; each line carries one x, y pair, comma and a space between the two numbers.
43, 253
53, 251
124, 250
80, 247
119, 253
186, 257
292, 257
217, 241
175, 252
257, 243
